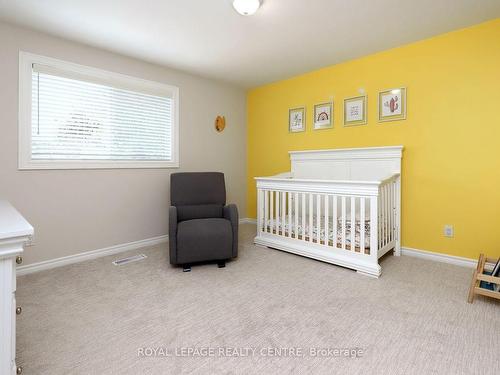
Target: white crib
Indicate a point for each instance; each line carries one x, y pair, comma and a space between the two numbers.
341, 206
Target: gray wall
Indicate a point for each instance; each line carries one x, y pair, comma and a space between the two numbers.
81, 210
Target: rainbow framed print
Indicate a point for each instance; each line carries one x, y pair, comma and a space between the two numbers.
392, 104
323, 116
355, 110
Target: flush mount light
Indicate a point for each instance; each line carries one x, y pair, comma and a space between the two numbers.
246, 7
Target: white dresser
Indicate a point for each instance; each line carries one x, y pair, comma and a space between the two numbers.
14, 232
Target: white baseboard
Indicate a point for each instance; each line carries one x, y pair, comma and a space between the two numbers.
439, 257
248, 220
93, 254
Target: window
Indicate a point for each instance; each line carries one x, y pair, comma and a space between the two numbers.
73, 117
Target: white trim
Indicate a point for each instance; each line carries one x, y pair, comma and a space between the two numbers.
88, 255
248, 220
26, 61
439, 257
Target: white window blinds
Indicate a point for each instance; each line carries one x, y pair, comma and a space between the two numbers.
76, 117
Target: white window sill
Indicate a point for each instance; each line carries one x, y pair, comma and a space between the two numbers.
95, 164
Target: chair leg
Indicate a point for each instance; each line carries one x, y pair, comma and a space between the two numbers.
186, 268
221, 264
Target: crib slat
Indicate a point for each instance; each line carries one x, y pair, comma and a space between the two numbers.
362, 225
266, 209
390, 211
382, 208
275, 212
260, 206
343, 221
283, 212
318, 218
353, 223
387, 214
303, 222
383, 216
386, 221
387, 201
327, 220
374, 227
280, 214
393, 211
296, 216
379, 205
393, 205
335, 221
277, 215
289, 221
271, 211
395, 208
311, 208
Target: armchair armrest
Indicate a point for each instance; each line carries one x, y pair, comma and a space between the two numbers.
231, 214
172, 234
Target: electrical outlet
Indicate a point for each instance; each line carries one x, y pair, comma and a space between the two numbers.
30, 242
449, 231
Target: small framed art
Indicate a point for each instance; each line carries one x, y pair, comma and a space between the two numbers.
297, 119
355, 111
392, 104
323, 116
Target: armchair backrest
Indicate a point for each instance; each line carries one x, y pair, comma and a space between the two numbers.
198, 195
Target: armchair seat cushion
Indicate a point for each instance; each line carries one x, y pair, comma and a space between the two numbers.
204, 239
199, 211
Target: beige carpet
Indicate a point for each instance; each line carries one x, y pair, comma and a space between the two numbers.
93, 317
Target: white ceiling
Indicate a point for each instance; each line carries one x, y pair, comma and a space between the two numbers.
284, 38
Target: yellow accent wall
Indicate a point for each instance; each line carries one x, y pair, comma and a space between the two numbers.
451, 161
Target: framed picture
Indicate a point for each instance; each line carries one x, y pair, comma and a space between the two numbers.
323, 116
392, 104
297, 119
355, 110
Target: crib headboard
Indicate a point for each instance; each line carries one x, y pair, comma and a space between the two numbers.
359, 164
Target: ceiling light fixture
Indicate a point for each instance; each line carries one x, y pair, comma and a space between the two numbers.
246, 7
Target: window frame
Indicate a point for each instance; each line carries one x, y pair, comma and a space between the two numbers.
26, 61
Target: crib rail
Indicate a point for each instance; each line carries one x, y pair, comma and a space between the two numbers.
388, 215
358, 218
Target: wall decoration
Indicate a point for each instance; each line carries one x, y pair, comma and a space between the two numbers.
323, 116
355, 111
297, 119
392, 104
220, 123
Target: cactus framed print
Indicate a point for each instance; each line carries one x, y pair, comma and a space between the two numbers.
323, 116
355, 111
392, 104
297, 119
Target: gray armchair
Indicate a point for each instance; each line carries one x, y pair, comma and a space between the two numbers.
201, 227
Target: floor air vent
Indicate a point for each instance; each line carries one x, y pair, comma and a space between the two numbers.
131, 259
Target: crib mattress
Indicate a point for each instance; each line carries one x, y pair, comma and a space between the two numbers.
334, 234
